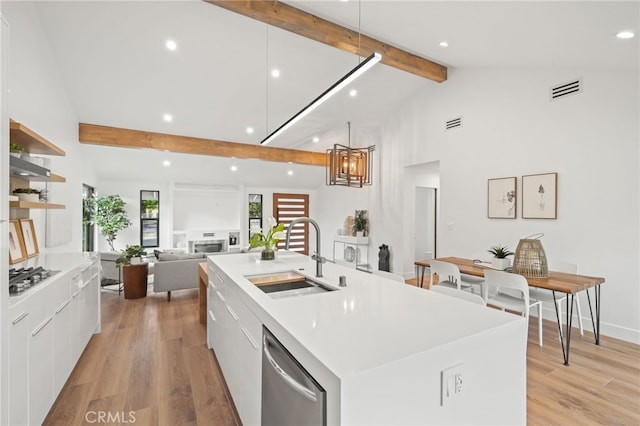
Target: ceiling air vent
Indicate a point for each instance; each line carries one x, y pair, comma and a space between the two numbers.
452, 124
571, 88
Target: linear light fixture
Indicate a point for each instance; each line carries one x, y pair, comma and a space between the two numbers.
362, 67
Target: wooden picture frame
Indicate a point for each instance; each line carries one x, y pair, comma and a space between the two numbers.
17, 251
502, 198
29, 237
540, 196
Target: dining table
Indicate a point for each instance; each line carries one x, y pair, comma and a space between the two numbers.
561, 282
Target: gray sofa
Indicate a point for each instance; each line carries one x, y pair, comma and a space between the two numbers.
176, 271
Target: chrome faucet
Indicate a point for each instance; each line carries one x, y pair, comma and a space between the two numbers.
316, 256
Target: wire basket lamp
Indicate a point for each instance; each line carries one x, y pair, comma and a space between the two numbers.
530, 259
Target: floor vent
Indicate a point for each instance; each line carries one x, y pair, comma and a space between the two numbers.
452, 124
571, 88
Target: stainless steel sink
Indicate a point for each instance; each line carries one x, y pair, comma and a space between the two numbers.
288, 284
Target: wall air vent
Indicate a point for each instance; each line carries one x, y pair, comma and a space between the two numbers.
562, 90
452, 124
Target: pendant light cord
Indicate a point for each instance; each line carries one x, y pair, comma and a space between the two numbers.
266, 77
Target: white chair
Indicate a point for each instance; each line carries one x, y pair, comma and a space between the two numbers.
544, 295
390, 275
494, 295
464, 295
449, 276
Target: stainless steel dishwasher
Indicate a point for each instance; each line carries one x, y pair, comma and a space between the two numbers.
290, 396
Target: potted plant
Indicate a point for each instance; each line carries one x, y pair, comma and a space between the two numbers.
131, 255
110, 216
268, 241
15, 150
134, 273
500, 254
361, 223
28, 194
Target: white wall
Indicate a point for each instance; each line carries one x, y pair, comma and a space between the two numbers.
510, 128
130, 194
206, 209
39, 100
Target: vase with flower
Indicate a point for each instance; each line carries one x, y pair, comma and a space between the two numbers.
268, 240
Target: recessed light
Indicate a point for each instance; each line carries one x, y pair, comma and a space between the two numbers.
250, 130
166, 163
275, 73
234, 168
353, 92
290, 172
625, 34
444, 44
168, 118
171, 45
315, 139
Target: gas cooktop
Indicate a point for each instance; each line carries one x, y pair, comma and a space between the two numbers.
23, 278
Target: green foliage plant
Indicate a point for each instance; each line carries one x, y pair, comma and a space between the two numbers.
110, 217
500, 252
128, 253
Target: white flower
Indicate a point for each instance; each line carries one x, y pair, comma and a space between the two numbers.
279, 235
272, 222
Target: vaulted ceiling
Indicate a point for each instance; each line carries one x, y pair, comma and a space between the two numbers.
115, 66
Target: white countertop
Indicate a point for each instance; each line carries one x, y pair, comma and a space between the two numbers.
371, 322
63, 262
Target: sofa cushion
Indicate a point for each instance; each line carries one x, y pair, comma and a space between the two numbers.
179, 256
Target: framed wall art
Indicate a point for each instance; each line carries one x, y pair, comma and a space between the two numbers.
16, 244
540, 196
502, 198
29, 237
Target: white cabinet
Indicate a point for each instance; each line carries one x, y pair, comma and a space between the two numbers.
250, 366
76, 307
235, 335
41, 370
62, 364
19, 335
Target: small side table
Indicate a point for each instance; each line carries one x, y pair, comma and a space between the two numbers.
135, 280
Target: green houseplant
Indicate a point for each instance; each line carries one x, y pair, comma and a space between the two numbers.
110, 216
361, 223
130, 254
500, 254
268, 240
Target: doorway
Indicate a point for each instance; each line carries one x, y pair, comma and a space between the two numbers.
425, 222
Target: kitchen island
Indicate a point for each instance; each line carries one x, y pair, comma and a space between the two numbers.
385, 353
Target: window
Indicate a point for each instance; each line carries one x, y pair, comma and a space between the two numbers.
286, 208
88, 228
255, 212
149, 219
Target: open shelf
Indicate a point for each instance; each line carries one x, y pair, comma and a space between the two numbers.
53, 178
31, 141
34, 205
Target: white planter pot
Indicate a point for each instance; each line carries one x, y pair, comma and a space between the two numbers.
33, 198
501, 263
136, 260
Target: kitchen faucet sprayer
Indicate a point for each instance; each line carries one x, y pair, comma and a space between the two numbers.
316, 256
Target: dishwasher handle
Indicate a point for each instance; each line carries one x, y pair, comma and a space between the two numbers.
301, 389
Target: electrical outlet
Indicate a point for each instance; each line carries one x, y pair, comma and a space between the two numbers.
450, 384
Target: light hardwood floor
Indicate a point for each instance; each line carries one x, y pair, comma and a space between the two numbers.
151, 359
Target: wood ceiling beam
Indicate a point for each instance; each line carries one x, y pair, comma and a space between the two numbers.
289, 18
125, 138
